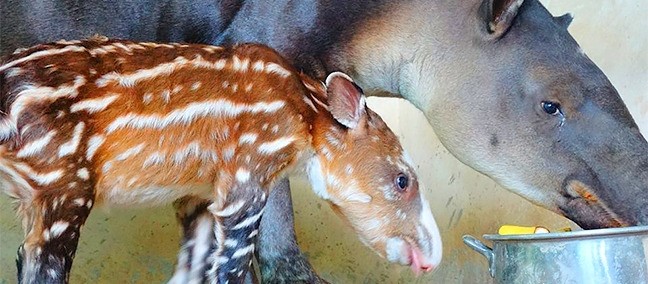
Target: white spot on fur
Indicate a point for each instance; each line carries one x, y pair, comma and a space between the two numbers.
42, 179
316, 178
231, 243
192, 111
79, 201
212, 49
258, 66
93, 144
94, 105
231, 209
395, 251
13, 72
275, 68
243, 251
156, 158
310, 103
58, 228
147, 98
35, 147
323, 105
249, 221
242, 175
83, 174
166, 96
228, 153
43, 53
195, 86
130, 152
247, 138
358, 197
71, 146
268, 148
52, 273
40, 94
192, 149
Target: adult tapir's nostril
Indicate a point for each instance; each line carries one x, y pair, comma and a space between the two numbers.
578, 189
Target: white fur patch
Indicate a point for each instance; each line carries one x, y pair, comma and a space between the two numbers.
40, 178
276, 145
83, 174
94, 105
249, 221
429, 224
93, 145
316, 178
71, 146
243, 251
156, 158
43, 53
242, 175
247, 138
191, 112
258, 66
35, 147
276, 69
358, 197
58, 228
395, 251
231, 209
130, 152
44, 94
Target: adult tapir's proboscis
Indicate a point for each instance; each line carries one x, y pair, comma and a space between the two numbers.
506, 88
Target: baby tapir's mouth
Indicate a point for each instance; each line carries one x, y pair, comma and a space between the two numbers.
418, 262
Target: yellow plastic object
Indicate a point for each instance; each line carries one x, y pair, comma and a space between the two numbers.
521, 230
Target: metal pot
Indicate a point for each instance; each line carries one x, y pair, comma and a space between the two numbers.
592, 256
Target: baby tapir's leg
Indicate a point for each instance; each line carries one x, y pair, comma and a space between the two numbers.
236, 228
197, 240
53, 221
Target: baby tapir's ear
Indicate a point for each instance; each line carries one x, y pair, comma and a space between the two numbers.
346, 99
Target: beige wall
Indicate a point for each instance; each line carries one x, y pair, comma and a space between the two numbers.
140, 245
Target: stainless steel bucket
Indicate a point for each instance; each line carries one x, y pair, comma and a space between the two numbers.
592, 256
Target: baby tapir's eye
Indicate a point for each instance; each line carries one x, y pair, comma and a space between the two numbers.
402, 182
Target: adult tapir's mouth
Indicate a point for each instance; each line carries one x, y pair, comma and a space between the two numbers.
587, 209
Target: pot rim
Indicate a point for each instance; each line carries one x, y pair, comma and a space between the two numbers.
570, 235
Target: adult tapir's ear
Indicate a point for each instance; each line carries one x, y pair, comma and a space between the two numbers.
499, 15
346, 100
564, 20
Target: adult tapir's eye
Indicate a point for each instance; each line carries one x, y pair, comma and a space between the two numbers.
552, 108
402, 182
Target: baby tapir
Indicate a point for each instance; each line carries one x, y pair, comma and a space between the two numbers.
123, 123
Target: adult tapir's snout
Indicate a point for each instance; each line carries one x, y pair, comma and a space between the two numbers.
610, 187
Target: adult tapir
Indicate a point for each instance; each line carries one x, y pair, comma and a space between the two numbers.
506, 88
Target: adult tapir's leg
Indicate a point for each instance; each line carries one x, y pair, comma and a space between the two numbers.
280, 259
